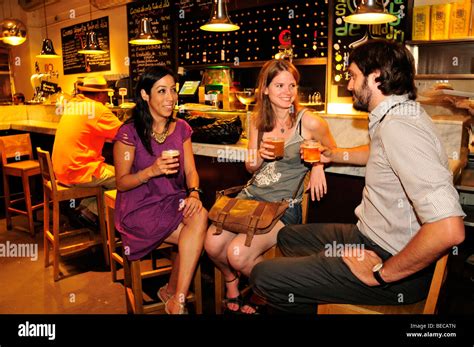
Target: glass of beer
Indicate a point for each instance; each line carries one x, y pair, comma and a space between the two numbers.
171, 153
279, 143
311, 152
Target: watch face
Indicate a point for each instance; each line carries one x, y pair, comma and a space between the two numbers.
377, 267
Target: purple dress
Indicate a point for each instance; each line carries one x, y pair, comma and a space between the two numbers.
146, 215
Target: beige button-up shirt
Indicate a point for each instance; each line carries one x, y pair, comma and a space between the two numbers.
407, 181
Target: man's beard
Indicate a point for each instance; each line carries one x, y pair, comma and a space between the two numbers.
362, 97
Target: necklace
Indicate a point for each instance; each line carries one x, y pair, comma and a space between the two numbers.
283, 126
160, 137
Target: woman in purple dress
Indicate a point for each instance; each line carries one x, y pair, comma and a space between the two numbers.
152, 203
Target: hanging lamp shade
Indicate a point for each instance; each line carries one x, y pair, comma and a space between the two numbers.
370, 12
220, 20
145, 36
13, 31
47, 50
91, 44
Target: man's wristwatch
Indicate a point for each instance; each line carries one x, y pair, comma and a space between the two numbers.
195, 189
376, 270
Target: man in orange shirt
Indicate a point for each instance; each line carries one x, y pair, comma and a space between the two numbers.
84, 127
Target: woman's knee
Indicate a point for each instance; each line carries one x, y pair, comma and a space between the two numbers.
214, 244
197, 220
239, 256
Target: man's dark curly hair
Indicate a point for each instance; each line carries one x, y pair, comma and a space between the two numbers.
395, 63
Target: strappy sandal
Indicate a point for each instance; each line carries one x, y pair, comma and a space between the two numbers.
182, 307
236, 301
163, 294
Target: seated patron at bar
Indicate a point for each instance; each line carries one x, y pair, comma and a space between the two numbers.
84, 127
154, 162
409, 215
279, 124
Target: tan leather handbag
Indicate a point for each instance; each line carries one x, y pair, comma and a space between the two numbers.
251, 217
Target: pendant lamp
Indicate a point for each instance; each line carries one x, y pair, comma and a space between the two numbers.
91, 40
219, 20
370, 12
47, 49
145, 36
13, 31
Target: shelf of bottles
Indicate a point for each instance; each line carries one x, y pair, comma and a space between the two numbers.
260, 34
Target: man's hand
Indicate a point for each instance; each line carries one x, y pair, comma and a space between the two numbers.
361, 265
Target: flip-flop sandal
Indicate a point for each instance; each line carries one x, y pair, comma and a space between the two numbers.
163, 294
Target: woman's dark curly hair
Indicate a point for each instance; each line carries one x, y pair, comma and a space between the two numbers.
395, 63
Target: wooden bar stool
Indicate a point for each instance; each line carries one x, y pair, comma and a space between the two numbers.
17, 146
427, 306
134, 291
133, 274
115, 244
57, 193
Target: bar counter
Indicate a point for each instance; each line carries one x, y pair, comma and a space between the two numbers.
348, 131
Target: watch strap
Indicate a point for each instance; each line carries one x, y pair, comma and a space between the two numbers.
379, 279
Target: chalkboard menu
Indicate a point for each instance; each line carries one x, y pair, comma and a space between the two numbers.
262, 30
142, 57
71, 41
347, 36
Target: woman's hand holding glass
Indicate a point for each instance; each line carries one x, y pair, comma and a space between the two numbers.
165, 166
266, 150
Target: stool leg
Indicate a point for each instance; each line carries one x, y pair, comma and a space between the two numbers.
111, 241
6, 188
46, 228
56, 239
29, 209
103, 231
218, 290
133, 286
198, 290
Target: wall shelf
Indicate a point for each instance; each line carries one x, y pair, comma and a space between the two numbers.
445, 77
259, 63
439, 42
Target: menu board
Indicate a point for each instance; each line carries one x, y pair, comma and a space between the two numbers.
347, 36
72, 39
145, 56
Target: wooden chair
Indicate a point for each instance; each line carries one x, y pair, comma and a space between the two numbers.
133, 274
16, 146
219, 283
57, 193
427, 306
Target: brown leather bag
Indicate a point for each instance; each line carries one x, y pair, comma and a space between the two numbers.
244, 216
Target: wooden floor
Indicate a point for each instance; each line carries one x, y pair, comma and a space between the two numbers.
27, 287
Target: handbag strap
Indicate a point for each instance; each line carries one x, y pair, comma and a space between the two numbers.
223, 215
391, 107
254, 219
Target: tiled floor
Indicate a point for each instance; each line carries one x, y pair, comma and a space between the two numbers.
27, 287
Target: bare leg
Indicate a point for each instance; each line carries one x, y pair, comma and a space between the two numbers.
216, 248
243, 258
190, 239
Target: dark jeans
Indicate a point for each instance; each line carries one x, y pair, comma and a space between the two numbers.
309, 273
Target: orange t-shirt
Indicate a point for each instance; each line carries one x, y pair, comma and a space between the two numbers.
84, 127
